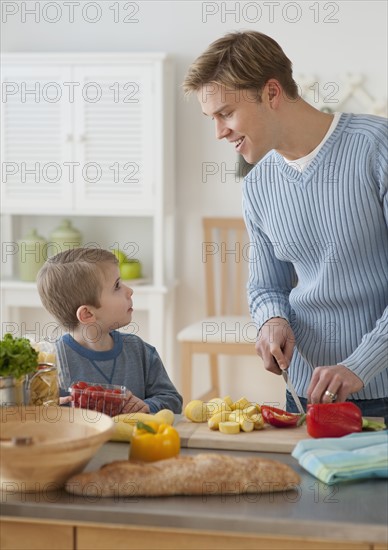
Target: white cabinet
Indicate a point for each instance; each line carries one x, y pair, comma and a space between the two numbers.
35, 138
91, 137
115, 138
85, 134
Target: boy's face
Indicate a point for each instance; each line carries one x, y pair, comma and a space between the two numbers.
239, 118
115, 310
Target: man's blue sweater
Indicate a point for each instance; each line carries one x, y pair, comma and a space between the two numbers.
319, 252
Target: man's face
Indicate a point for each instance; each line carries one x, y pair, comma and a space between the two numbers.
239, 118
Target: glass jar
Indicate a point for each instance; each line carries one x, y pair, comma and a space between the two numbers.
43, 387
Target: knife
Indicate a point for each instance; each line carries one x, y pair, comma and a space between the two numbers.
293, 392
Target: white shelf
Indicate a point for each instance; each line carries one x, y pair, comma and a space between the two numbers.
22, 210
15, 284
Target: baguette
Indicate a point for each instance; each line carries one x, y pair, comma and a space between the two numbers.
203, 474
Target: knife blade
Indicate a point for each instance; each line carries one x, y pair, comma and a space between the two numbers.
293, 392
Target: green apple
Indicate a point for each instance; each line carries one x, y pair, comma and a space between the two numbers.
130, 269
121, 256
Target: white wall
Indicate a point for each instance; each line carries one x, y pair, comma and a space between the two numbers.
327, 39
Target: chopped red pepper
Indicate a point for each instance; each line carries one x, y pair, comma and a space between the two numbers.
280, 418
333, 419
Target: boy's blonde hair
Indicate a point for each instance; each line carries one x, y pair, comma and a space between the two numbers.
242, 61
71, 279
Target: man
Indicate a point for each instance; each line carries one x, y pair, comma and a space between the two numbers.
316, 210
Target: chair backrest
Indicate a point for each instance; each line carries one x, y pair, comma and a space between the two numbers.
225, 254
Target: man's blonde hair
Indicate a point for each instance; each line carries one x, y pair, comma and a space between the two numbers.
239, 61
71, 279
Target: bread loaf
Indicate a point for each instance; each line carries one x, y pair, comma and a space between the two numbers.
203, 474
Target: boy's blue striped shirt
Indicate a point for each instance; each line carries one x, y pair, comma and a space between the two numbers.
320, 254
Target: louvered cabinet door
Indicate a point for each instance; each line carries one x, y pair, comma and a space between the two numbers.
115, 138
36, 139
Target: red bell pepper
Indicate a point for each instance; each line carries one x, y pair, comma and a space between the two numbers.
280, 418
333, 419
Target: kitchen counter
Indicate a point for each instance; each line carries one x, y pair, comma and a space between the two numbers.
354, 514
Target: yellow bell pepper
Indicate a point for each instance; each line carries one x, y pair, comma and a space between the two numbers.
152, 441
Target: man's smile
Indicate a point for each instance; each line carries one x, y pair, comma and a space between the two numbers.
238, 142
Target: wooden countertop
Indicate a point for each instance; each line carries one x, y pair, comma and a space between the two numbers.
355, 511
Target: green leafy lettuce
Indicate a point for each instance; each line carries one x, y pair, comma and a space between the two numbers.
17, 357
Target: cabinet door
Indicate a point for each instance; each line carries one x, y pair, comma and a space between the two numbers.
35, 535
115, 138
36, 139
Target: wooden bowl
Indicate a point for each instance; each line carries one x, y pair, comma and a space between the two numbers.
61, 441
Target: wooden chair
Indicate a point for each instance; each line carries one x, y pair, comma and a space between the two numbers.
227, 328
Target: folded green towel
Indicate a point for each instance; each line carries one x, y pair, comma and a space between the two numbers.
335, 459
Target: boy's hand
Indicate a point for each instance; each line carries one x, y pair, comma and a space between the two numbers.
65, 400
134, 404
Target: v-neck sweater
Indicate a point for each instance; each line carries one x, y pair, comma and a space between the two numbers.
319, 252
301, 163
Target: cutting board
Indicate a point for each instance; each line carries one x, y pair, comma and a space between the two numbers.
270, 439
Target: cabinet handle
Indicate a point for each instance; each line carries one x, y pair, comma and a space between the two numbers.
69, 137
82, 137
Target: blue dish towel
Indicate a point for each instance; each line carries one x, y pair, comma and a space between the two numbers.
335, 459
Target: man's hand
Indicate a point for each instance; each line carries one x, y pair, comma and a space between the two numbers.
337, 380
275, 344
134, 404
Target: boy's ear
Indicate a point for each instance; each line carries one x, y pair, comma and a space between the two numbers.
85, 315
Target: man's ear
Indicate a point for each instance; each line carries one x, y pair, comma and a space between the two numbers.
273, 91
85, 315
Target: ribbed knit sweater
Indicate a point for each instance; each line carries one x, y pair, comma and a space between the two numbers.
319, 252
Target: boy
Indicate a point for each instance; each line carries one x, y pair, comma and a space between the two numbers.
82, 289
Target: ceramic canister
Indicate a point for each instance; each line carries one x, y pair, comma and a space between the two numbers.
64, 237
32, 253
